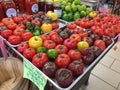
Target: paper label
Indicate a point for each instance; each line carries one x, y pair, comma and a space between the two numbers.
58, 11
31, 73
35, 8
11, 12
3, 49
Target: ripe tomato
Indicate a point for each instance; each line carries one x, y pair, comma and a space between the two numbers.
99, 32
35, 42
36, 22
22, 47
6, 33
20, 26
100, 44
61, 49
49, 44
52, 33
69, 43
6, 21
17, 19
71, 26
116, 29
45, 37
77, 21
75, 37
18, 31
12, 26
14, 39
74, 54
109, 33
93, 28
29, 53
83, 34
57, 39
46, 27
55, 26
78, 30
39, 59
62, 60
26, 36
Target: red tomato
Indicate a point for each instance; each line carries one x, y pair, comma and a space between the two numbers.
20, 26
14, 39
55, 26
26, 36
62, 60
57, 39
52, 33
83, 34
49, 44
109, 33
17, 19
36, 22
18, 31
24, 16
71, 25
6, 33
77, 21
93, 28
97, 19
70, 44
78, 30
74, 54
61, 49
100, 44
45, 37
75, 37
116, 29
22, 47
99, 32
39, 59
12, 26
6, 21
29, 53
82, 24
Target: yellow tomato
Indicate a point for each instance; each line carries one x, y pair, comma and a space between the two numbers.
35, 42
46, 27
93, 14
82, 44
52, 15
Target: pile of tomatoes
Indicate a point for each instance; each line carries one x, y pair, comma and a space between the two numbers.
102, 24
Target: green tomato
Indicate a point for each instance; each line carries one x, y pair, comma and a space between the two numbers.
41, 49
36, 32
52, 53
27, 30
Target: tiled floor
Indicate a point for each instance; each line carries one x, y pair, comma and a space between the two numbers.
106, 74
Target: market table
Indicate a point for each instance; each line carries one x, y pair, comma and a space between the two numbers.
82, 79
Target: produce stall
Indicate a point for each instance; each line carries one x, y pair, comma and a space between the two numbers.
57, 54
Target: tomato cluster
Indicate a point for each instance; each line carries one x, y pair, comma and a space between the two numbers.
21, 28
103, 24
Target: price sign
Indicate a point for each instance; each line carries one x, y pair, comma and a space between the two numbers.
34, 75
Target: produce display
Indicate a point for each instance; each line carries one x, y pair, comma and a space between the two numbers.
73, 9
21, 28
61, 53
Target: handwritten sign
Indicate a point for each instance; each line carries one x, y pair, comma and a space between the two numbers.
35, 76
3, 49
